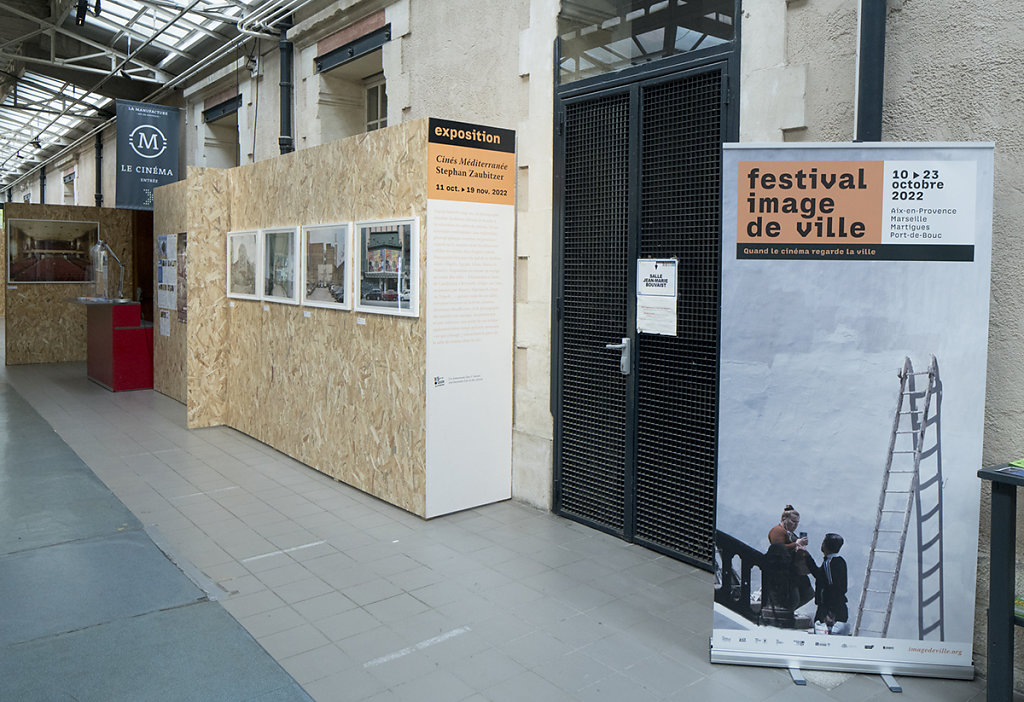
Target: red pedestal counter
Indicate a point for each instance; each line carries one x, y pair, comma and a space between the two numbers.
120, 346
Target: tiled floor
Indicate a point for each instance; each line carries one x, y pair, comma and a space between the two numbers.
359, 600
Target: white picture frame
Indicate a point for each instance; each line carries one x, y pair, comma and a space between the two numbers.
280, 258
326, 265
244, 261
387, 252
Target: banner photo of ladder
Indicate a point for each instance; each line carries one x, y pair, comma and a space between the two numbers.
851, 412
911, 491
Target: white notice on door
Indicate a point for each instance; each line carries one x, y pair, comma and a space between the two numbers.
656, 295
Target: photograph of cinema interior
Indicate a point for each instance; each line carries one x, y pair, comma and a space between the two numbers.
45, 251
386, 251
326, 249
280, 265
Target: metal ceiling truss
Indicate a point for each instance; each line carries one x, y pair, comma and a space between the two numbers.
59, 79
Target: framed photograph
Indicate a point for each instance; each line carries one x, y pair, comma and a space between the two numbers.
244, 272
388, 281
326, 273
48, 251
280, 282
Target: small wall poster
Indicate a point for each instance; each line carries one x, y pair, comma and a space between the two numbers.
182, 279
166, 272
165, 322
656, 295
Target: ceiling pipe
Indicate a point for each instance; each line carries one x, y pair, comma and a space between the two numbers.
99, 170
266, 20
870, 79
286, 141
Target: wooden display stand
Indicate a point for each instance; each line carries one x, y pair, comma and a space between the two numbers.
120, 346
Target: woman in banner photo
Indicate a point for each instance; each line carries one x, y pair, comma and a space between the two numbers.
784, 534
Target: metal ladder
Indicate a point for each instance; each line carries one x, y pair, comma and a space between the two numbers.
900, 493
928, 498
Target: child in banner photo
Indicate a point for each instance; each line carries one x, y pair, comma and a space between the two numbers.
830, 588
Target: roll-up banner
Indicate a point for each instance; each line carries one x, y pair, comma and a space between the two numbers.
147, 152
855, 298
471, 190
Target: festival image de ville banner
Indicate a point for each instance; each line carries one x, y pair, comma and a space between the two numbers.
855, 299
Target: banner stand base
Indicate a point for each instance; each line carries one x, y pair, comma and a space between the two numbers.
887, 669
798, 677
890, 682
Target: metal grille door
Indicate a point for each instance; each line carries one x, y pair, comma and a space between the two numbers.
593, 446
636, 444
677, 377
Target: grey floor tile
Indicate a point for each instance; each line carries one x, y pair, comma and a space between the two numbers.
535, 648
617, 687
346, 624
302, 590
317, 664
75, 585
401, 669
242, 606
573, 671
351, 685
527, 686
436, 686
661, 675
485, 668
198, 651
366, 593
395, 609
291, 642
372, 646
272, 622
324, 606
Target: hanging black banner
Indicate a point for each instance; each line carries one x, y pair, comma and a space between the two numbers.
147, 151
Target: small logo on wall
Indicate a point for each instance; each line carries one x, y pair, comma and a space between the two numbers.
147, 141
438, 381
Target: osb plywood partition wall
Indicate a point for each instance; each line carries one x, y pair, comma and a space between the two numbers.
209, 220
44, 325
344, 396
170, 216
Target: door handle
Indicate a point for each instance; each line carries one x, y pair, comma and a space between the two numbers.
623, 347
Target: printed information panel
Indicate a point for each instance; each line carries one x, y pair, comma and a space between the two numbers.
856, 210
469, 280
855, 306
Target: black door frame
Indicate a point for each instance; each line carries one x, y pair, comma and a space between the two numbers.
628, 80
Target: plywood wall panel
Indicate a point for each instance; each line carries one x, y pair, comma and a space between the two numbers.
209, 216
170, 376
43, 325
345, 398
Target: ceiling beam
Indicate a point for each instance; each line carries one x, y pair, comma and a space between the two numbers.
46, 25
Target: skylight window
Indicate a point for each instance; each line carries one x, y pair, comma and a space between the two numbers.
131, 49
